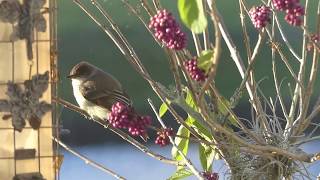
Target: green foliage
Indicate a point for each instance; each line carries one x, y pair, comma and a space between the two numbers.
180, 174
192, 15
207, 154
163, 109
205, 60
190, 101
199, 128
223, 104
182, 143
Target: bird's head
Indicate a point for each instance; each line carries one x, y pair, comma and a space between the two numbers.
82, 70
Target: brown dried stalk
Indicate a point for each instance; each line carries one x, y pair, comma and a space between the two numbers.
215, 58
147, 7
239, 63
299, 92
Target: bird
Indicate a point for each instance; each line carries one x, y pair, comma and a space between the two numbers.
95, 90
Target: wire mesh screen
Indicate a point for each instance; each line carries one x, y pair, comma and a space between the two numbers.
28, 65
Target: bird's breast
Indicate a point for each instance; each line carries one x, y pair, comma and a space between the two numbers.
92, 109
82, 102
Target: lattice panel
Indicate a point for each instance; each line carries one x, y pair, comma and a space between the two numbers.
16, 67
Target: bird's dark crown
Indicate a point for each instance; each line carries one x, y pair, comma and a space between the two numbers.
82, 69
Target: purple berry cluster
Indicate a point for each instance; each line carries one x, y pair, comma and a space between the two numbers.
283, 5
167, 30
163, 136
138, 125
293, 9
260, 16
195, 72
210, 175
124, 117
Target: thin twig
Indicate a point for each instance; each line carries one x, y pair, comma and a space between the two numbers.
284, 38
239, 63
206, 39
278, 89
244, 30
299, 92
173, 62
275, 46
88, 161
156, 4
188, 162
147, 7
215, 58
197, 43
307, 95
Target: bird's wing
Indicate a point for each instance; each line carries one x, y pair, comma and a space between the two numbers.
103, 97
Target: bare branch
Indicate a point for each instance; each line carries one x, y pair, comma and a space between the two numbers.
88, 161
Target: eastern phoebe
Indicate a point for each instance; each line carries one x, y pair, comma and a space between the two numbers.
95, 90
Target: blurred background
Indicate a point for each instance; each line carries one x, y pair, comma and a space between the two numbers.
79, 39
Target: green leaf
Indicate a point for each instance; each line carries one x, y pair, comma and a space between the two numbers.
192, 15
190, 101
207, 154
193, 122
205, 60
163, 109
222, 107
199, 128
182, 143
180, 174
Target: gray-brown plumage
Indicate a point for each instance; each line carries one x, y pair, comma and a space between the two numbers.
95, 90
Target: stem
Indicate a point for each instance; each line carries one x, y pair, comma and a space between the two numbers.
244, 30
206, 39
215, 59
147, 7
88, 161
304, 123
239, 63
197, 43
156, 4
299, 92
284, 38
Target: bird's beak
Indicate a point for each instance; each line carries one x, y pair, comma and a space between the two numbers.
70, 76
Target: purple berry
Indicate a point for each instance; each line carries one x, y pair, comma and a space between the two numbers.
283, 5
167, 30
293, 16
260, 16
119, 115
293, 9
124, 117
195, 72
210, 175
163, 136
